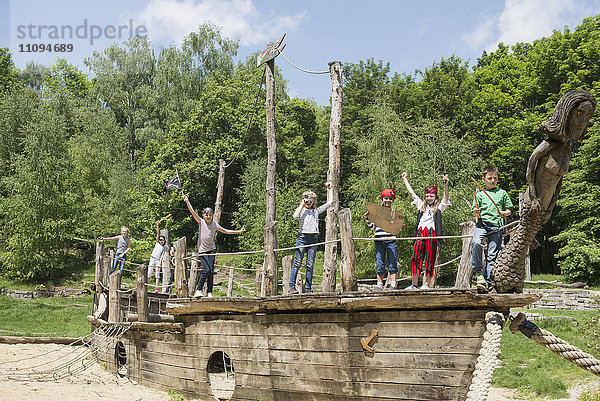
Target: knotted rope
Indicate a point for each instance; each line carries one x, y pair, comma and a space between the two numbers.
486, 361
555, 344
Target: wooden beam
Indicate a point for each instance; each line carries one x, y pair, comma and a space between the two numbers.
348, 262
142, 292
333, 177
180, 274
220, 185
463, 275
148, 326
270, 229
114, 299
413, 300
286, 265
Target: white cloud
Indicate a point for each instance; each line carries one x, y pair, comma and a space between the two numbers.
171, 20
526, 21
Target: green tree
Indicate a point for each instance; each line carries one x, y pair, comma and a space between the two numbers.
38, 218
8, 72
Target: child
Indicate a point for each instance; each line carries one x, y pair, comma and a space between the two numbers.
385, 247
491, 215
159, 248
429, 224
123, 246
308, 233
207, 229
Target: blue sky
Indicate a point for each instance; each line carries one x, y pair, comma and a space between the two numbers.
409, 35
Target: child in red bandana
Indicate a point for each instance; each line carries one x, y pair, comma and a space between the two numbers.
429, 224
386, 247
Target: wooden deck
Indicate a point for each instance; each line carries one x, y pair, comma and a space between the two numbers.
308, 347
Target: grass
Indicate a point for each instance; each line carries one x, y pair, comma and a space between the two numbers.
54, 317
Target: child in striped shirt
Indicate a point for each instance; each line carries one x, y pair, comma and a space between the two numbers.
385, 248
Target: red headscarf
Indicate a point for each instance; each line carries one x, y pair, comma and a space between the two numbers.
388, 192
431, 190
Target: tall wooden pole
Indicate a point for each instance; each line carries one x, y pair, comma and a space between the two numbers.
333, 177
270, 222
220, 184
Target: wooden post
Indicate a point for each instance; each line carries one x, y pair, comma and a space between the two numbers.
114, 299
258, 280
98, 274
463, 275
142, 293
286, 265
165, 263
220, 185
348, 261
107, 259
436, 268
300, 280
194, 274
181, 289
230, 283
270, 231
263, 282
333, 177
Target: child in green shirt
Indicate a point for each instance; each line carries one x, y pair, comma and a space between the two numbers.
491, 216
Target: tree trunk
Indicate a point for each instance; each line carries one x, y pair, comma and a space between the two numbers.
333, 177
181, 289
220, 185
270, 231
286, 265
194, 274
114, 299
142, 293
348, 262
463, 275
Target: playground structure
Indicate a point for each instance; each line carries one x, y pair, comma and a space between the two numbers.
336, 345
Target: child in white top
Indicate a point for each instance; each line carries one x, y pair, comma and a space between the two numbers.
207, 229
154, 267
429, 225
308, 233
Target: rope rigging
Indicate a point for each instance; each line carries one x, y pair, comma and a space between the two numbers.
65, 364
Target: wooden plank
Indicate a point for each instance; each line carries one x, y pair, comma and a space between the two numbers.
432, 299
419, 329
421, 344
311, 385
164, 382
408, 360
455, 345
251, 393
151, 363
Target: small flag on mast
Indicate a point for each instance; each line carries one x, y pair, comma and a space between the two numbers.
173, 183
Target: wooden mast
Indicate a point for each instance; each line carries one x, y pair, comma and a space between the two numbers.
267, 57
333, 177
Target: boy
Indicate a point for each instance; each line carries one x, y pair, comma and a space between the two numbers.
490, 216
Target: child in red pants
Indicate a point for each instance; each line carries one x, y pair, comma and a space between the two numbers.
429, 226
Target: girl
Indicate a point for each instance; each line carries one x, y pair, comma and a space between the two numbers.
386, 247
207, 229
123, 246
308, 233
429, 224
159, 249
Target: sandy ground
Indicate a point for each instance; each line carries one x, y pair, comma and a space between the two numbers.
27, 371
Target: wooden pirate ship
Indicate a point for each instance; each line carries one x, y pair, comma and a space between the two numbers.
393, 345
